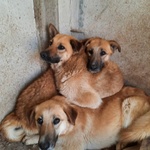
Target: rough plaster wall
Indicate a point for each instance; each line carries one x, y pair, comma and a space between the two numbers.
46, 12
19, 55
126, 21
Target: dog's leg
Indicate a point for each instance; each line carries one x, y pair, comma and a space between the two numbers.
133, 107
70, 144
138, 130
88, 99
11, 128
32, 139
136, 119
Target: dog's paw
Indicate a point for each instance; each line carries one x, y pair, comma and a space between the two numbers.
126, 106
30, 139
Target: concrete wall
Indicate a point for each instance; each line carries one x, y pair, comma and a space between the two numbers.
22, 36
126, 21
19, 60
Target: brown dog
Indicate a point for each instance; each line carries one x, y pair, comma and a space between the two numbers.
16, 124
99, 51
69, 127
73, 80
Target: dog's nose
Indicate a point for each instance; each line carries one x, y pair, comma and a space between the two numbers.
94, 66
44, 145
44, 55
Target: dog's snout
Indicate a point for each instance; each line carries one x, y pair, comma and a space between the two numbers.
44, 145
44, 55
94, 66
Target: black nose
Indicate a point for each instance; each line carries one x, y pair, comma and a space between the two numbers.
44, 55
44, 145
94, 66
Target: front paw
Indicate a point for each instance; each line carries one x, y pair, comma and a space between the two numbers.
30, 139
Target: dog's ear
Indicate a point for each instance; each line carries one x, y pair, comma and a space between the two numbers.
31, 116
71, 114
114, 45
85, 42
52, 31
76, 45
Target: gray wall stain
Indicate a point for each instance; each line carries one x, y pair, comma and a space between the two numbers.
81, 14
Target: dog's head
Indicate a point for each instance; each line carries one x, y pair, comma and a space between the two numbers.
99, 51
54, 118
61, 47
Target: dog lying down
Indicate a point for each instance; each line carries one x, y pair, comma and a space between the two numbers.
69, 62
62, 126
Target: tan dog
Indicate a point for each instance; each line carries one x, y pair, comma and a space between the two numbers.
99, 51
69, 127
73, 80
16, 124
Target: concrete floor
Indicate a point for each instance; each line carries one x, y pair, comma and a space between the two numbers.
4, 145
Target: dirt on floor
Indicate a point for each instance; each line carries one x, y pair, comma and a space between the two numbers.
4, 145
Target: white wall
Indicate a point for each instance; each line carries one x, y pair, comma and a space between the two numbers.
19, 55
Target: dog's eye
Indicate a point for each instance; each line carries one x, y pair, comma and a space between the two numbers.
56, 121
90, 52
40, 120
50, 43
60, 47
102, 52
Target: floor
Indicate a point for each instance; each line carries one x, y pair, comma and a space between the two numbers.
4, 145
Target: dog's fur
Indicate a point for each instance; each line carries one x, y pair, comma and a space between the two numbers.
62, 125
99, 51
16, 124
139, 130
69, 62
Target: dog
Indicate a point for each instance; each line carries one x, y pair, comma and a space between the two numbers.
73, 80
99, 51
16, 124
62, 125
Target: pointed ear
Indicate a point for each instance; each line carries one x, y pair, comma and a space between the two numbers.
52, 31
85, 42
114, 45
76, 45
71, 114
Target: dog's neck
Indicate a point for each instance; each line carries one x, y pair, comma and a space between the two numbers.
74, 65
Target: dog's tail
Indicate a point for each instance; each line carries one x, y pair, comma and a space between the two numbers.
11, 128
138, 130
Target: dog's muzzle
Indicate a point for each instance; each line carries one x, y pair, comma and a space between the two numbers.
95, 67
50, 59
47, 143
